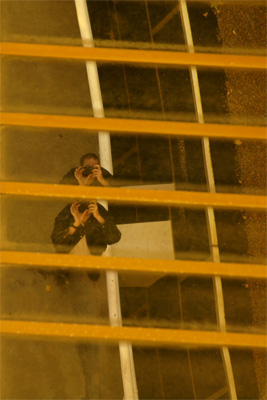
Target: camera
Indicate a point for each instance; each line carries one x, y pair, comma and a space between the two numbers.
83, 206
87, 170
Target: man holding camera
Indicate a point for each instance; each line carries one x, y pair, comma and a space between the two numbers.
89, 173
84, 228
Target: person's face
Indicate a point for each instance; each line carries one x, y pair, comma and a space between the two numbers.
92, 162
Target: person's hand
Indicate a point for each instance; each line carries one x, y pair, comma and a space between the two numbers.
93, 210
98, 174
83, 180
77, 215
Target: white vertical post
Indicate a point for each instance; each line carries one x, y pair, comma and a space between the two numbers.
125, 349
213, 239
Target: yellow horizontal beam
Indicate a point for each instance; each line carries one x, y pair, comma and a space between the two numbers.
147, 57
132, 126
137, 336
137, 196
195, 268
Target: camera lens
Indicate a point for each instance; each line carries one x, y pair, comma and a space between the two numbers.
82, 207
87, 170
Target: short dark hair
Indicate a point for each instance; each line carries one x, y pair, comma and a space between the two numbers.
88, 155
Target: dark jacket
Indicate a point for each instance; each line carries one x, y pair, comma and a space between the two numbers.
69, 178
97, 236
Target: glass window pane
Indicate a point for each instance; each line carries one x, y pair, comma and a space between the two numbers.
217, 27
45, 22
30, 292
186, 229
60, 369
148, 162
92, 370
44, 86
47, 86
160, 300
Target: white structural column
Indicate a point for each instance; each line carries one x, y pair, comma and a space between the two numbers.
94, 85
125, 349
213, 239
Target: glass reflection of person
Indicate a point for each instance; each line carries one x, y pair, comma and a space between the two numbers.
84, 228
89, 173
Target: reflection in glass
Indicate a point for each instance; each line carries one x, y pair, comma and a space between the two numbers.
61, 369
147, 231
239, 165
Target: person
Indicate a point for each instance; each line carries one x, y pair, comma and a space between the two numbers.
84, 228
89, 173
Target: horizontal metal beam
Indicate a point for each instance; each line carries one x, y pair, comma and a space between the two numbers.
137, 336
136, 196
136, 265
147, 57
141, 127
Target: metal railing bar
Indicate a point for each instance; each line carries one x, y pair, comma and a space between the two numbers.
137, 336
137, 196
129, 56
137, 265
142, 127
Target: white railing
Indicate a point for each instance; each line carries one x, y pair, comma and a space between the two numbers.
213, 239
125, 349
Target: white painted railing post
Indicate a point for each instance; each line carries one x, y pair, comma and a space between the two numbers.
125, 349
212, 230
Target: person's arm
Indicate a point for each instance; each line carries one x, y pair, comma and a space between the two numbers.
79, 219
61, 239
111, 232
101, 174
109, 229
112, 181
